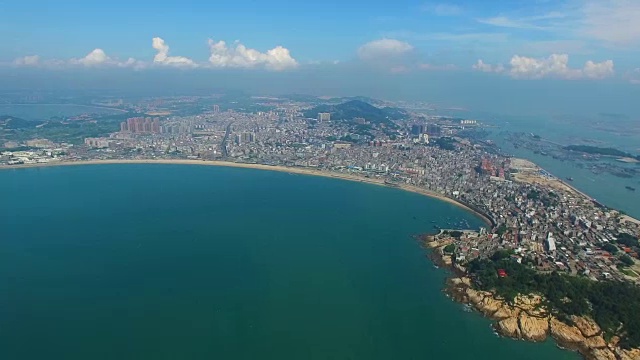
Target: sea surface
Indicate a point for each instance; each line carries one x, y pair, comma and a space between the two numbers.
604, 130
190, 262
38, 112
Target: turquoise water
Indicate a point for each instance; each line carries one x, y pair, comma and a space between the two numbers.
189, 262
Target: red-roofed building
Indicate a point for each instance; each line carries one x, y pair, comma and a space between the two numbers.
502, 273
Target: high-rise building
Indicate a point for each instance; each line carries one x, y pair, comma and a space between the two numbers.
324, 117
155, 127
433, 130
417, 129
123, 127
216, 109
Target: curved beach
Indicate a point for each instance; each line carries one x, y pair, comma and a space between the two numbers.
293, 170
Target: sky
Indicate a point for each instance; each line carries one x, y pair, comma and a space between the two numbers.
461, 51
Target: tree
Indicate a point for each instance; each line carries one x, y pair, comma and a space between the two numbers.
627, 260
450, 249
610, 248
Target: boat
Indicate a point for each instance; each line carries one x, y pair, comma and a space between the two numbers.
569, 178
630, 188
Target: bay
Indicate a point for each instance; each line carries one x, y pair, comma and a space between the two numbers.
41, 112
188, 262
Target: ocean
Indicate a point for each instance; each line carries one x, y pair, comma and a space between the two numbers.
39, 112
597, 130
188, 262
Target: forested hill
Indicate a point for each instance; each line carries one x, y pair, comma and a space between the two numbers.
350, 110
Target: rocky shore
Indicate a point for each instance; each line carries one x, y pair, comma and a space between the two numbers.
526, 318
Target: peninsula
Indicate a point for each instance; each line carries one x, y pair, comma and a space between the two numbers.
544, 224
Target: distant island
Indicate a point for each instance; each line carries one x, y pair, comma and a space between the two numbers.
606, 151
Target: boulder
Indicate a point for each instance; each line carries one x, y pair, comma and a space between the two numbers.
506, 311
474, 296
595, 342
489, 305
509, 327
633, 354
587, 326
565, 334
533, 328
601, 354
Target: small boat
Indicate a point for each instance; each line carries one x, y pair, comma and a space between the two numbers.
630, 188
569, 178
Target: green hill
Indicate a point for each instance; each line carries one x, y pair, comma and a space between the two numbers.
350, 110
12, 123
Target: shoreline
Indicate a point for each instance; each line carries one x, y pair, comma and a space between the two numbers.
62, 104
526, 318
293, 170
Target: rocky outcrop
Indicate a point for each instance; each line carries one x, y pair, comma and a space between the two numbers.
565, 334
587, 327
533, 328
600, 354
509, 327
595, 342
506, 311
489, 305
633, 354
526, 318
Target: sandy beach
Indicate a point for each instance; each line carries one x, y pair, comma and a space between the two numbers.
292, 170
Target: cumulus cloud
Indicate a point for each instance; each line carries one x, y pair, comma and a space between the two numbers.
554, 66
432, 67
239, 56
162, 56
31, 60
96, 58
383, 48
484, 67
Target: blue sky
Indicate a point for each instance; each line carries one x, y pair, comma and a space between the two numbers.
534, 40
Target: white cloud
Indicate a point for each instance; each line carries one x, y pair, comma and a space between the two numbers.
535, 22
484, 67
163, 58
634, 76
96, 58
383, 48
613, 21
239, 56
554, 66
31, 60
432, 67
442, 9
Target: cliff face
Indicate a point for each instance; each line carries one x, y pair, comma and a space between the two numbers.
528, 319
533, 328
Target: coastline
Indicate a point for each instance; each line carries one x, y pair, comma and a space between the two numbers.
62, 104
293, 170
526, 318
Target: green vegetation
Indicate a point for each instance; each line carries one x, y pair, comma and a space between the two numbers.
613, 305
445, 143
628, 240
597, 150
610, 248
450, 249
626, 260
358, 109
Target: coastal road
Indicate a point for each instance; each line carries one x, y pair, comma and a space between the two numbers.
225, 139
